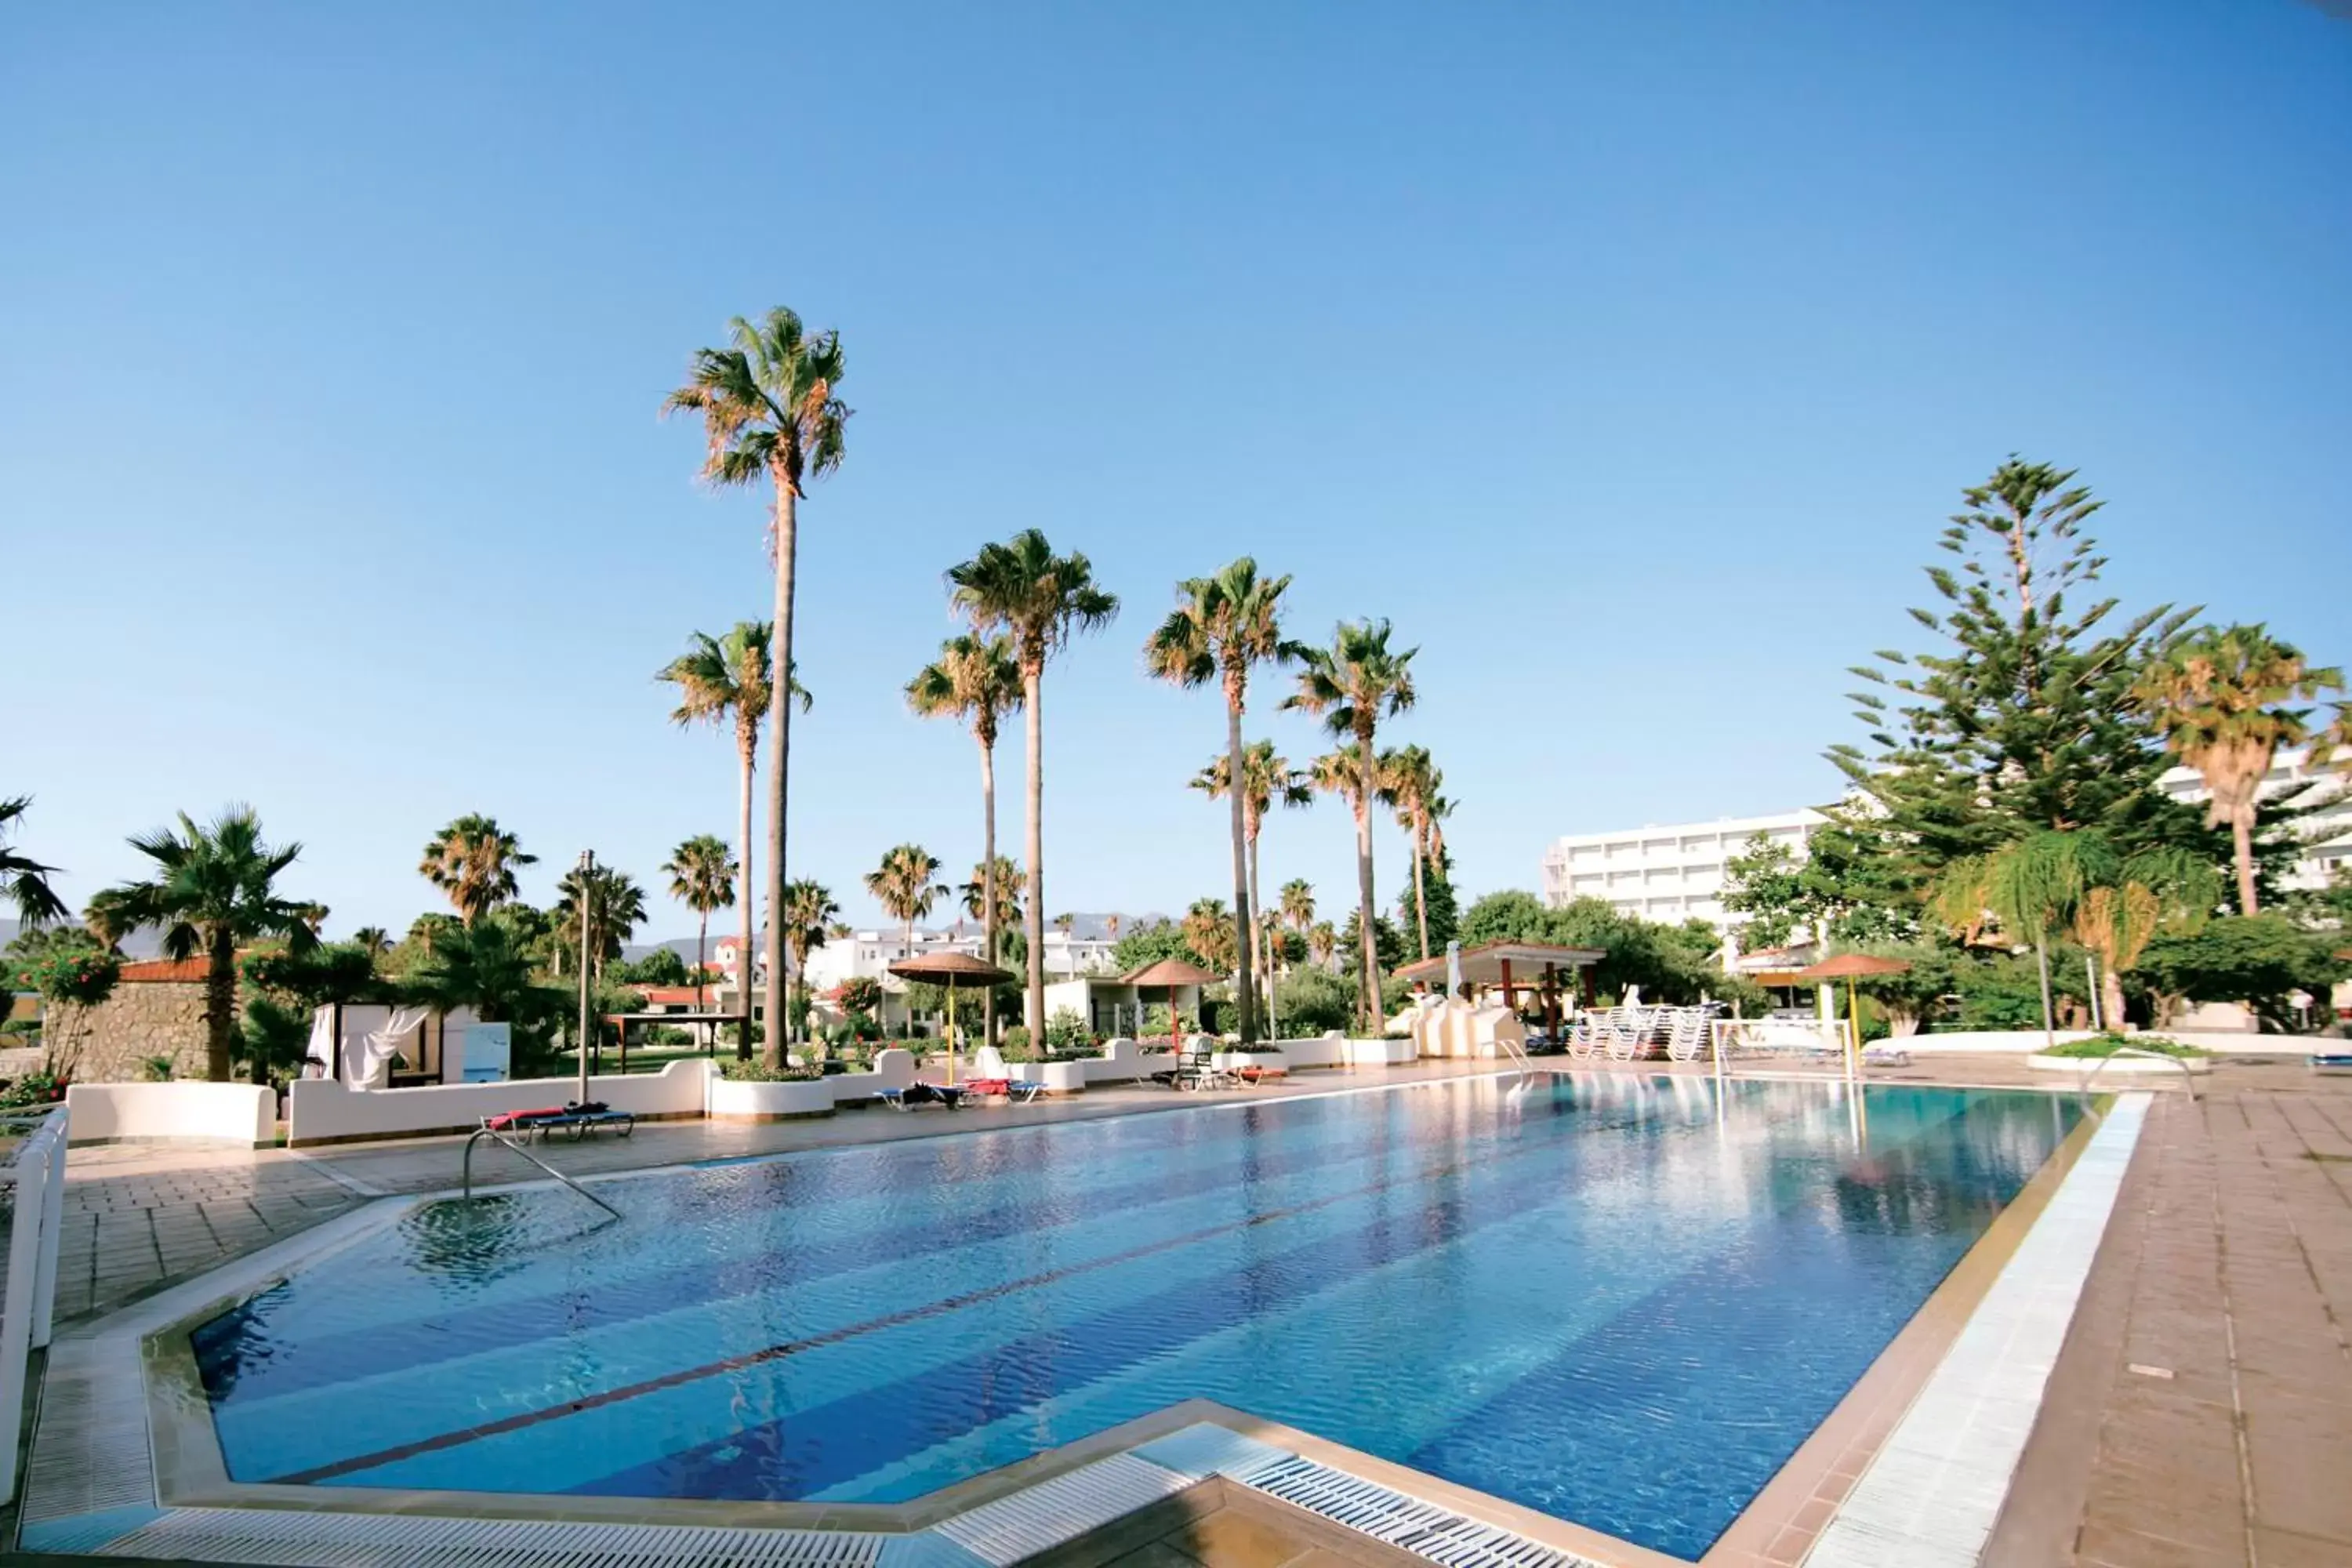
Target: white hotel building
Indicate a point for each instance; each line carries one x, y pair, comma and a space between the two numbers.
1676, 872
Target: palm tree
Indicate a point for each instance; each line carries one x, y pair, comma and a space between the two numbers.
809, 910
1111, 927
1298, 903
474, 861
212, 889
2077, 882
723, 678
488, 968
2219, 698
616, 908
1413, 783
769, 411
373, 941
1322, 942
1266, 778
1208, 931
701, 874
1352, 684
902, 884
26, 882
1023, 588
1007, 889
977, 681
839, 931
1221, 626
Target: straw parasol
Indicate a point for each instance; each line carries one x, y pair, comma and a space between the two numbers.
1846, 966
1172, 973
950, 967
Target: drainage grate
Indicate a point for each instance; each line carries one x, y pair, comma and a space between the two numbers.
299, 1539
1421, 1528
1051, 1513
90, 1440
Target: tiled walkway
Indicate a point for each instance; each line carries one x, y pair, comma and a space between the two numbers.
2203, 1415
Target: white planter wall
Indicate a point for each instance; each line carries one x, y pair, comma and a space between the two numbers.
321, 1111
244, 1114
770, 1101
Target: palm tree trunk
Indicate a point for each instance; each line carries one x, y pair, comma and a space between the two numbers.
1245, 992
988, 883
220, 1004
1420, 890
2111, 997
2242, 845
1033, 922
749, 745
780, 703
701, 940
1258, 937
1365, 787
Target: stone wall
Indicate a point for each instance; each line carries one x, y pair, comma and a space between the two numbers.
111, 1043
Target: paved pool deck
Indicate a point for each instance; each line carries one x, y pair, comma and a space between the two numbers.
2200, 1413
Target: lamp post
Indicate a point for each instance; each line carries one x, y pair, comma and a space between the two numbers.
587, 870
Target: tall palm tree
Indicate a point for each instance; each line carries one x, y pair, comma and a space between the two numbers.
1110, 926
373, 941
1351, 685
474, 860
1414, 783
1298, 898
2220, 701
809, 910
976, 679
769, 411
1023, 588
1220, 628
1322, 942
1266, 778
214, 889
732, 679
701, 877
616, 908
26, 882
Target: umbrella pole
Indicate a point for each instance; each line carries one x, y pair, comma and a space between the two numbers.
952, 1031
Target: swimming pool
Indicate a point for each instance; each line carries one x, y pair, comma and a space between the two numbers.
1608, 1298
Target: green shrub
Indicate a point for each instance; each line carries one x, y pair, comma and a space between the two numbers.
82, 975
1311, 1002
1013, 1042
1066, 1031
155, 1070
758, 1071
2108, 1044
32, 1088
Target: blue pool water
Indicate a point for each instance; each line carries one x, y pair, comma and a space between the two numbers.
1606, 1297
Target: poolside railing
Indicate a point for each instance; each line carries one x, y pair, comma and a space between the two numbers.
35, 1184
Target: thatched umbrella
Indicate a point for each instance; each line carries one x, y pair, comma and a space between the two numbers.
950, 967
1846, 966
1173, 974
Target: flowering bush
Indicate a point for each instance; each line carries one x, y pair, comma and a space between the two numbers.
32, 1088
83, 975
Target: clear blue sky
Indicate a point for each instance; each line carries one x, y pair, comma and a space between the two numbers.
1629, 357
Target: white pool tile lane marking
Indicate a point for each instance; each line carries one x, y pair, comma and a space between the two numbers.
1930, 1497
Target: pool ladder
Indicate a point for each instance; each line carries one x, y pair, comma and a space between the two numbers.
466, 1169
2187, 1079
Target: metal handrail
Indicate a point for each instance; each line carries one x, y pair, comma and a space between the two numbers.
2083, 1089
466, 1169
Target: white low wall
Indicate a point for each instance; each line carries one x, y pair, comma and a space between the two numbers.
2169, 1066
320, 1111
245, 1114
732, 1101
1379, 1053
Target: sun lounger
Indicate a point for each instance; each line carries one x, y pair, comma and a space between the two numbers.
1196, 1068
1254, 1074
1018, 1089
2331, 1061
577, 1120
916, 1094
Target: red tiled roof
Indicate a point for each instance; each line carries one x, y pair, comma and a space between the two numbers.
663, 994
184, 970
